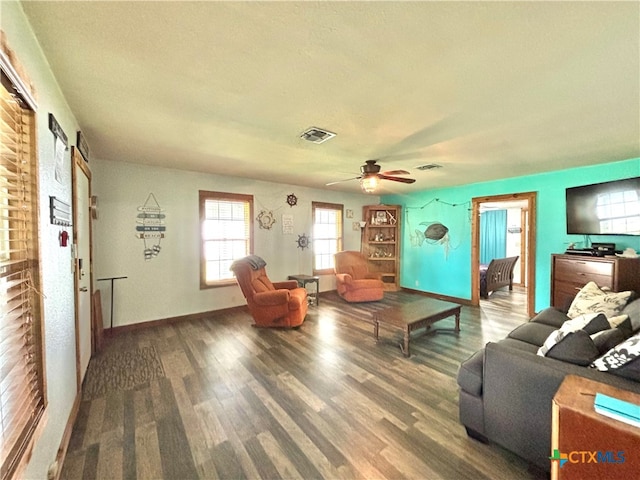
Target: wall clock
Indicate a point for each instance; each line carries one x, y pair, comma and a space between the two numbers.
303, 241
292, 200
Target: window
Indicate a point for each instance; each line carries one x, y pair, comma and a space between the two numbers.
227, 235
22, 386
327, 235
619, 212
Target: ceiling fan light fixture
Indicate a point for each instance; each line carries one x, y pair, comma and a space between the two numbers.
369, 183
317, 135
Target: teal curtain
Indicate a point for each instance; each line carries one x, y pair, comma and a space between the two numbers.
493, 235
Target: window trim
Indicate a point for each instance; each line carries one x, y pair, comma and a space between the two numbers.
203, 196
18, 453
327, 206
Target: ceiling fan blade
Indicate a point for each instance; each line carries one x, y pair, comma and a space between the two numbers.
397, 179
345, 180
395, 172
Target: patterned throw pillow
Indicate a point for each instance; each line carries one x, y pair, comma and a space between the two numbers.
623, 359
592, 298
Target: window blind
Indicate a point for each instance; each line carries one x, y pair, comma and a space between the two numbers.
327, 235
227, 234
22, 395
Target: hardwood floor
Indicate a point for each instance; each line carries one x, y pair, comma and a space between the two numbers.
216, 398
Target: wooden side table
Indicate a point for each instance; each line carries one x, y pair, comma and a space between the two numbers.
580, 435
303, 280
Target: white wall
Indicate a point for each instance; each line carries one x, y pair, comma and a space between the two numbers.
169, 284
57, 277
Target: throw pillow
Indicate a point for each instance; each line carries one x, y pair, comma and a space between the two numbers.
607, 339
592, 298
623, 359
576, 347
633, 310
590, 323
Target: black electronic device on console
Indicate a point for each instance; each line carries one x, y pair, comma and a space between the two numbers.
580, 251
602, 249
596, 250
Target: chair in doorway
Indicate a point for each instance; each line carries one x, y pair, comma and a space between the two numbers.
497, 274
354, 281
271, 304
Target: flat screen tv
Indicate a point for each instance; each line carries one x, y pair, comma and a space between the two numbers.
609, 208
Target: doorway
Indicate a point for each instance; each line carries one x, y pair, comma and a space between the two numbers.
83, 271
527, 204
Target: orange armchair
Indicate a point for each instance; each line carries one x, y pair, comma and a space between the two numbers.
279, 304
354, 282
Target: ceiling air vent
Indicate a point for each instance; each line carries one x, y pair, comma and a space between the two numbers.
317, 135
428, 166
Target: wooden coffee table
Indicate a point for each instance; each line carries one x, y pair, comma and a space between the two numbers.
411, 316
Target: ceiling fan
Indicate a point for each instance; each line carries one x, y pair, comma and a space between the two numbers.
371, 176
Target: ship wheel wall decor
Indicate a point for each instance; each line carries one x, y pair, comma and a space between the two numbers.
292, 200
303, 241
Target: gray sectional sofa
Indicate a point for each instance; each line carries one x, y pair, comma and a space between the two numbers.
506, 389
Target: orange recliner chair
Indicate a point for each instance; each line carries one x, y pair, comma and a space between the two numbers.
354, 282
279, 304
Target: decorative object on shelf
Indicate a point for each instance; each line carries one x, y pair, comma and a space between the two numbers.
392, 219
266, 219
83, 146
303, 241
151, 226
292, 200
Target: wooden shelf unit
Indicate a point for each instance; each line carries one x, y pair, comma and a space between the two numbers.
381, 242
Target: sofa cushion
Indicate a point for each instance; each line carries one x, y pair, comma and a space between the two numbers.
470, 373
519, 345
551, 316
633, 310
592, 298
622, 360
532, 332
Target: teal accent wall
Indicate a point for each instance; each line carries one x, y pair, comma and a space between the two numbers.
443, 266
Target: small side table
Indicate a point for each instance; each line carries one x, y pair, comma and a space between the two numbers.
303, 280
578, 429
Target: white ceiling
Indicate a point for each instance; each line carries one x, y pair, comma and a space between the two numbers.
486, 89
